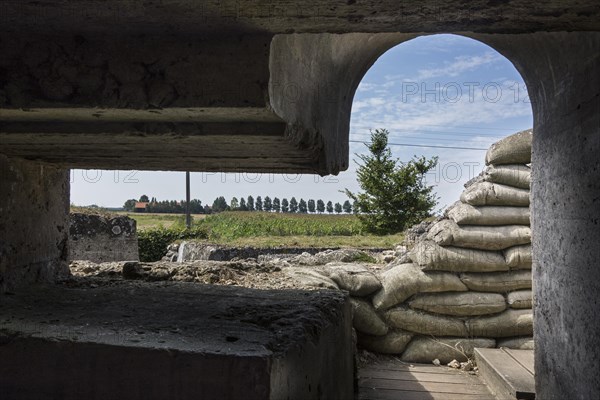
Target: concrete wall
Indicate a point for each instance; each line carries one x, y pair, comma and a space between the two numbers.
561, 72
34, 204
320, 368
101, 238
566, 215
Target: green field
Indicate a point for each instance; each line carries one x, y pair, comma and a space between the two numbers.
262, 229
149, 221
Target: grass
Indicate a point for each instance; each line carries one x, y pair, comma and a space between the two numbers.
235, 225
150, 221
262, 229
361, 242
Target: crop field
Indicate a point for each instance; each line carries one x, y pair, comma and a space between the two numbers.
233, 225
263, 229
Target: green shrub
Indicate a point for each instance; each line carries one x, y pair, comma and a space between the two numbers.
153, 243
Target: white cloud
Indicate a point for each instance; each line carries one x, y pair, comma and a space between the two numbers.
459, 65
395, 111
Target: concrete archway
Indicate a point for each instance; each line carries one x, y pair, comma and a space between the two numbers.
561, 72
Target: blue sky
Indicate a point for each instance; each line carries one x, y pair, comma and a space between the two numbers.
440, 90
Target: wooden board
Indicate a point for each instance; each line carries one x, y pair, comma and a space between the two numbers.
506, 376
402, 366
523, 357
385, 394
418, 376
395, 380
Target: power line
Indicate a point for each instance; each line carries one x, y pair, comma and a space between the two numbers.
422, 145
470, 134
432, 138
473, 127
480, 127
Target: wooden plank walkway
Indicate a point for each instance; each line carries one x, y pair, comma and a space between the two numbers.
395, 380
509, 373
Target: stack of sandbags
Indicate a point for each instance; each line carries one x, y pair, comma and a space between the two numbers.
467, 282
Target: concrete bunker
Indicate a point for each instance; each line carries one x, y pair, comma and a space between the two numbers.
555, 50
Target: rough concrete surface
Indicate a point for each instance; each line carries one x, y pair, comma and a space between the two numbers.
561, 72
100, 238
288, 16
34, 201
175, 340
297, 66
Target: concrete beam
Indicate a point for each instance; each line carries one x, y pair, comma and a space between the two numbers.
309, 16
184, 139
166, 102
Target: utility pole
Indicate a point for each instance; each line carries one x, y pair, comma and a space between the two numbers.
188, 216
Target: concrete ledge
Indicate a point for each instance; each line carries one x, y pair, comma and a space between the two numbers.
176, 341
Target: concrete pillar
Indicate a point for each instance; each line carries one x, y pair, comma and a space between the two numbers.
34, 208
562, 75
566, 219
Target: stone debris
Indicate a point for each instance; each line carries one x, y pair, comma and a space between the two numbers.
188, 251
466, 366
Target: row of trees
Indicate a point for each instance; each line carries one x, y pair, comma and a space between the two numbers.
243, 204
276, 205
166, 206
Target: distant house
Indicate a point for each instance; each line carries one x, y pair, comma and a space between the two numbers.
140, 206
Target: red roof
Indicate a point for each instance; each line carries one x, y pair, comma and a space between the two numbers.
141, 204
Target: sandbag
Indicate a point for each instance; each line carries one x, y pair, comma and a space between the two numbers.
424, 349
520, 299
500, 282
393, 343
517, 343
508, 323
432, 256
405, 280
466, 214
404, 318
448, 233
514, 149
460, 304
365, 319
494, 194
309, 277
355, 278
519, 257
515, 175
